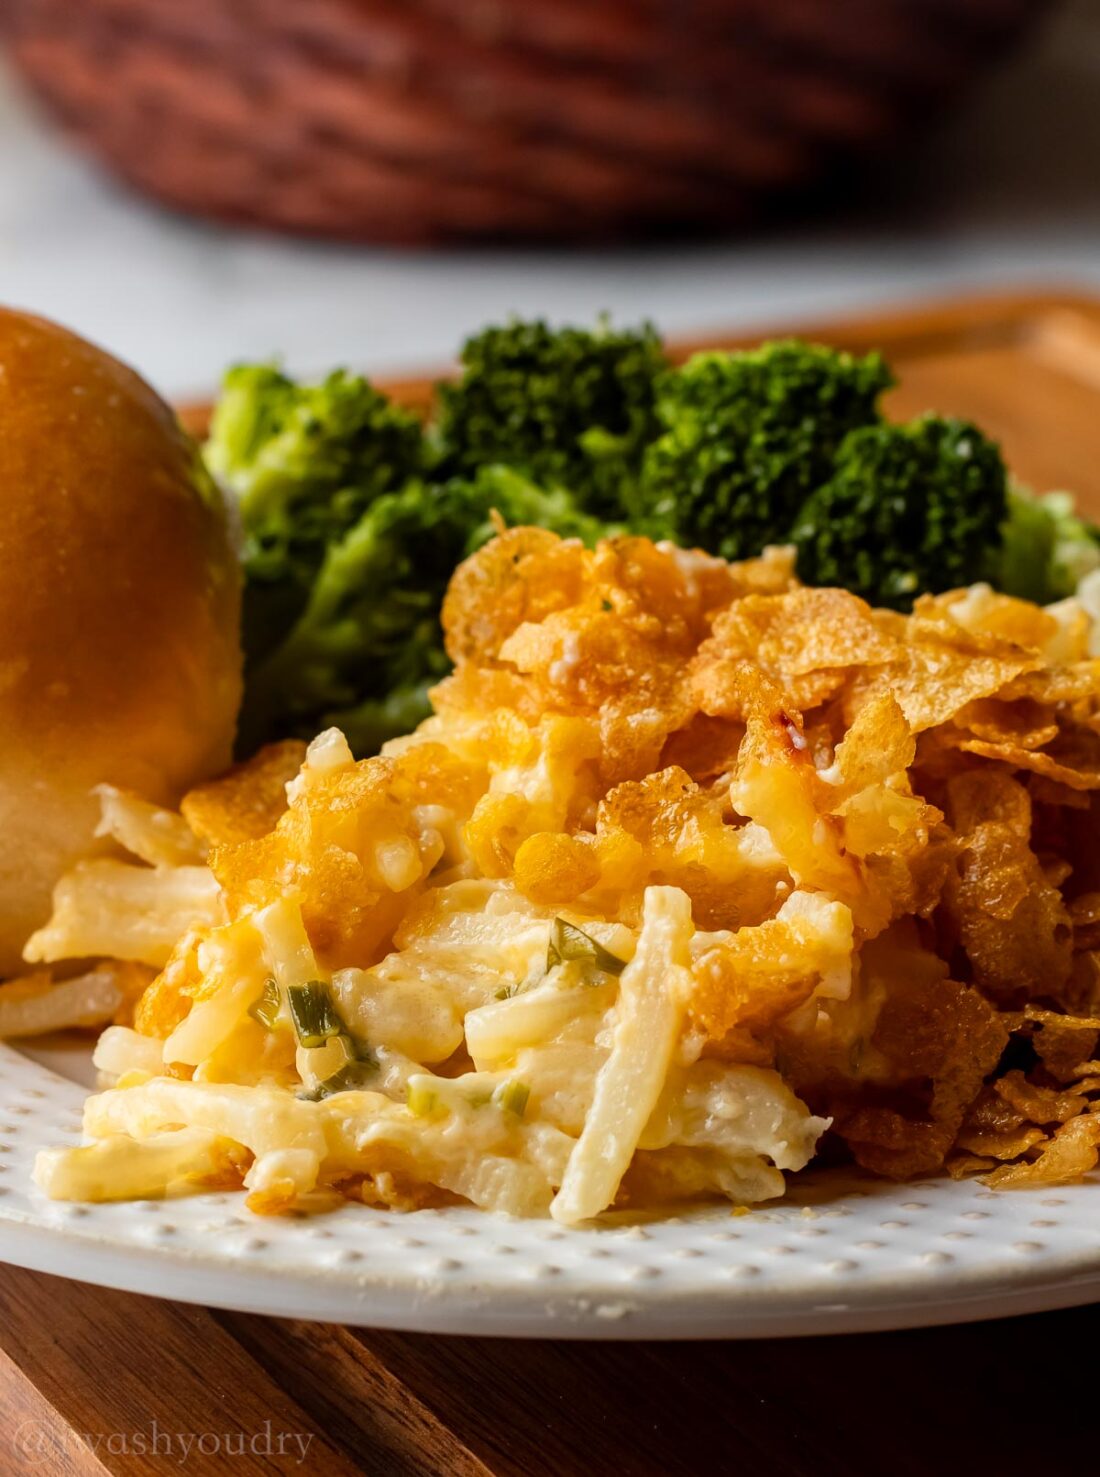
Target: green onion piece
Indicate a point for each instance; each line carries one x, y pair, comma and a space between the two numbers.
421, 1101
314, 1013
512, 1096
359, 1050
567, 941
352, 1076
266, 1008
505, 992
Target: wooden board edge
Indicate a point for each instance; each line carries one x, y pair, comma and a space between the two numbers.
918, 328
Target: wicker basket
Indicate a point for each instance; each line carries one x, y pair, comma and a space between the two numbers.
428, 120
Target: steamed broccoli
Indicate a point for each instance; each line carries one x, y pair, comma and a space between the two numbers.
368, 645
350, 535
568, 407
747, 437
907, 509
1047, 548
304, 461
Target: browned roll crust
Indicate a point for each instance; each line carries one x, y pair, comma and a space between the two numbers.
119, 607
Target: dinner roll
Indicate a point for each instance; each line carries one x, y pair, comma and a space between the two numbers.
119, 608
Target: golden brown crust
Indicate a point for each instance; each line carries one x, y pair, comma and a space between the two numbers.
119, 606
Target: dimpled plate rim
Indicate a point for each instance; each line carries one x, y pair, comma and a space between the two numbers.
843, 1253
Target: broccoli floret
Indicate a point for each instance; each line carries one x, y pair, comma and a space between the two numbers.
369, 624
304, 461
567, 407
368, 644
908, 509
1048, 549
347, 549
747, 437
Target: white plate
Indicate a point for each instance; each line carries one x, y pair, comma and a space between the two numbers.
841, 1254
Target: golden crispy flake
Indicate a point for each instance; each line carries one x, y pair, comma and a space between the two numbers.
931, 1032
878, 744
776, 786
667, 829
805, 641
707, 748
803, 631
984, 612
1038, 1104
1070, 1154
976, 796
167, 999
133, 980
616, 646
1063, 1043
750, 979
990, 1112
1009, 1144
1078, 682
541, 778
1078, 770
584, 657
771, 573
1012, 924
732, 688
246, 802
354, 846
942, 669
1022, 723
523, 575
958, 1166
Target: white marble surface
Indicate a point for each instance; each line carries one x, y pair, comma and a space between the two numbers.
1006, 192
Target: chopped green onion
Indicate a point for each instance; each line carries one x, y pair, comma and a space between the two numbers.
314, 1013
421, 1101
352, 1076
505, 992
567, 942
512, 1096
266, 1008
359, 1050
429, 1097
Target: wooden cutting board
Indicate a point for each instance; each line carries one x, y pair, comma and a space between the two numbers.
95, 1382
1025, 367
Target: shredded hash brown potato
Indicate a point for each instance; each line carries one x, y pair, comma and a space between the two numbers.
690, 868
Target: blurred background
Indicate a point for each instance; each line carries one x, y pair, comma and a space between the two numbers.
366, 181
